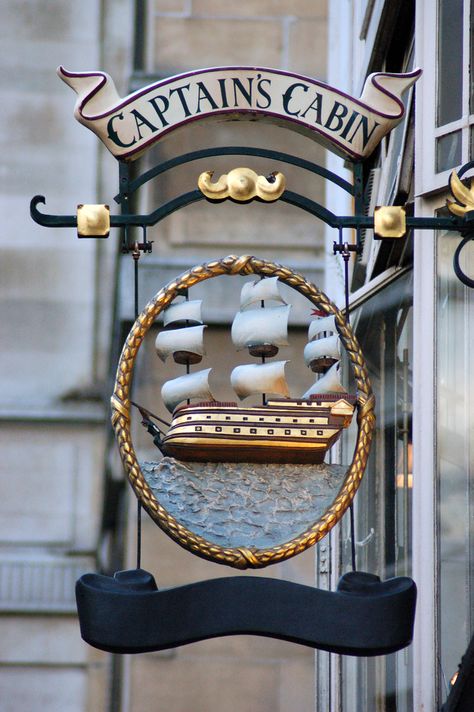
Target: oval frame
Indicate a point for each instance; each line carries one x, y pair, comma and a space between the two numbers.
241, 557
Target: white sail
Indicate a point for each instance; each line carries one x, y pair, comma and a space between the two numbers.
191, 385
329, 346
255, 378
261, 290
329, 383
319, 326
268, 325
189, 338
182, 311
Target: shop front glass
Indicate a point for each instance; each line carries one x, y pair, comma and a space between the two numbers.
454, 458
383, 505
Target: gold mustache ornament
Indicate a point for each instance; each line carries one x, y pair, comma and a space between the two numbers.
242, 184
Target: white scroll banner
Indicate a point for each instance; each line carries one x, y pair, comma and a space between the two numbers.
347, 126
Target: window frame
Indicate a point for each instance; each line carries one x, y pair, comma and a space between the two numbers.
350, 684
428, 180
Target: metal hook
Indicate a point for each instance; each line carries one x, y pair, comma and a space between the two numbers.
468, 281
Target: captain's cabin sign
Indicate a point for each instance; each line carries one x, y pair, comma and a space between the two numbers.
348, 126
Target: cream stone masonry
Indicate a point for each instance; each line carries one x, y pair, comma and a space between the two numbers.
301, 35
232, 39
52, 433
298, 9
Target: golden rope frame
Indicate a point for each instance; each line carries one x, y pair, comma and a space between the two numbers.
241, 557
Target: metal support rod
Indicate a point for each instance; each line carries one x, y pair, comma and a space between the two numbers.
359, 189
136, 257
345, 250
124, 178
346, 253
359, 221
337, 221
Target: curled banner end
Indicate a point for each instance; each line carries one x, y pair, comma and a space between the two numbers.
95, 91
81, 82
383, 91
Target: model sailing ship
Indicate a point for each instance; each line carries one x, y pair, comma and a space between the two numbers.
282, 429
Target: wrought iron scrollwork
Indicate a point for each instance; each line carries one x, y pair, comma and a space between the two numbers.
461, 219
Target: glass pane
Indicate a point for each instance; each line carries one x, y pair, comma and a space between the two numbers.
450, 63
448, 151
383, 504
471, 144
396, 149
455, 466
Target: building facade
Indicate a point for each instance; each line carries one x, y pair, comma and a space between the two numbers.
414, 320
66, 306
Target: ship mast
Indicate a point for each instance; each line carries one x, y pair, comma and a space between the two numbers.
322, 354
261, 329
182, 337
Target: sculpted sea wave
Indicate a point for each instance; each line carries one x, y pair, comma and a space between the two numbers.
244, 504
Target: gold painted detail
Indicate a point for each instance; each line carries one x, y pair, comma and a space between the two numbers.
119, 408
463, 195
241, 557
263, 422
93, 220
342, 407
208, 437
389, 222
242, 184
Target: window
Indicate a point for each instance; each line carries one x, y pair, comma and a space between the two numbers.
446, 126
383, 504
454, 460
454, 116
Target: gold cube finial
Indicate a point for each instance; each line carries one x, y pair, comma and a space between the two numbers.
389, 222
93, 220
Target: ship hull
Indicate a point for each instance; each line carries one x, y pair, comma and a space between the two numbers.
280, 432
244, 451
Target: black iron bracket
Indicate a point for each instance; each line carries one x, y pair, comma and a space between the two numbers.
359, 221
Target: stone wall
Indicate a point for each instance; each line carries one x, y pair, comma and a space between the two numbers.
55, 318
56, 302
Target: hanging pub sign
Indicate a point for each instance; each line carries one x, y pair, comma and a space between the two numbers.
244, 485
348, 126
